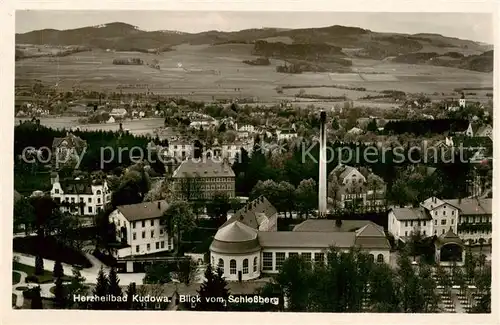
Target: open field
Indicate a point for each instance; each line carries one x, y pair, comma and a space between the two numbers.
204, 72
137, 127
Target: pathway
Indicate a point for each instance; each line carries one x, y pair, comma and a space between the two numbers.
90, 274
19, 293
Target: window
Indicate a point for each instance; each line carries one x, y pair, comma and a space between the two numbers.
280, 258
90, 200
254, 264
98, 192
406, 233
424, 232
452, 212
81, 199
133, 224
380, 258
98, 200
137, 249
56, 191
371, 258
319, 258
148, 247
157, 245
425, 223
444, 213
267, 261
435, 222
152, 223
220, 265
72, 200
152, 233
306, 257
435, 232
442, 232
143, 234
418, 223
411, 223
134, 236
143, 223
406, 223
162, 244
245, 266
443, 222
293, 255
161, 232
452, 221
90, 209
435, 213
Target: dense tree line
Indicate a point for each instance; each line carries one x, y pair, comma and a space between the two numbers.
424, 127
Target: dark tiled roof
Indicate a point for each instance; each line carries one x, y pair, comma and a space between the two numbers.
72, 140
450, 237
249, 214
371, 236
472, 206
203, 168
293, 239
143, 211
324, 225
77, 186
411, 213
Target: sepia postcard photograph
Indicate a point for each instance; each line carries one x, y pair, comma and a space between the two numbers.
252, 161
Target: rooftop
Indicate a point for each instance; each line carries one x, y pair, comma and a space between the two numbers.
71, 140
419, 213
251, 213
203, 167
325, 225
472, 206
292, 239
143, 211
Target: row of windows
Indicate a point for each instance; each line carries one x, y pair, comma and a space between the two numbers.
232, 265
478, 219
423, 233
158, 245
134, 235
89, 209
81, 199
418, 223
98, 192
444, 212
142, 223
473, 232
267, 259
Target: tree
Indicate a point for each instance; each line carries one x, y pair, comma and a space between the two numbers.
60, 295
76, 286
218, 207
333, 189
158, 273
335, 124
24, 215
306, 196
180, 218
58, 269
131, 292
114, 288
213, 287
100, 290
372, 126
222, 128
36, 298
186, 271
38, 265
469, 264
294, 282
375, 184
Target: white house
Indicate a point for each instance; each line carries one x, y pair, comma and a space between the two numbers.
247, 128
286, 134
469, 218
80, 196
180, 149
140, 226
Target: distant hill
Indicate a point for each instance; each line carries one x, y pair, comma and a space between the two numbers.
329, 41
482, 62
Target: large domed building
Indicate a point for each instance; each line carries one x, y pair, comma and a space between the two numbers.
248, 245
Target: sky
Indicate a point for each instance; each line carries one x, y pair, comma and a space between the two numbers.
472, 26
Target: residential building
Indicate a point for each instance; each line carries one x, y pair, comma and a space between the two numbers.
244, 252
469, 218
80, 196
141, 230
259, 214
286, 134
180, 149
201, 179
66, 151
356, 189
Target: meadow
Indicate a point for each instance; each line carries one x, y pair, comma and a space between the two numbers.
204, 72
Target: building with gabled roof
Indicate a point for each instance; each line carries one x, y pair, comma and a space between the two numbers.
66, 151
141, 230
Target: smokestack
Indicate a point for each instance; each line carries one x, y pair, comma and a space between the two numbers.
322, 166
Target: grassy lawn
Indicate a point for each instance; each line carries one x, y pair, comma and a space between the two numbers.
16, 277
46, 277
